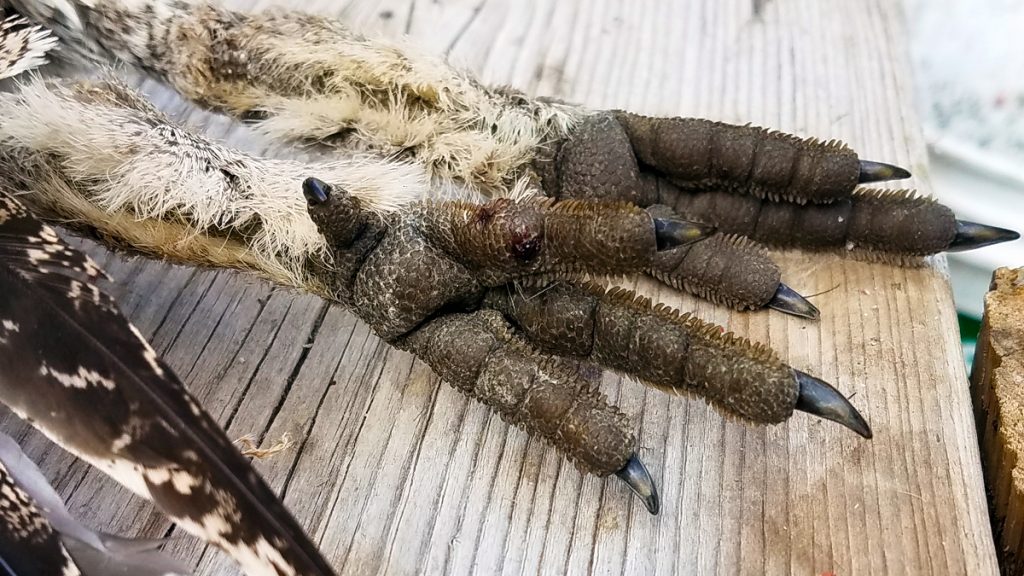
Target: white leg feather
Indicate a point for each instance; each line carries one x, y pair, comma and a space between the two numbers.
127, 171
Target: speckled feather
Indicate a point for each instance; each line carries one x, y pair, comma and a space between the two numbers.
65, 350
22, 46
93, 553
28, 544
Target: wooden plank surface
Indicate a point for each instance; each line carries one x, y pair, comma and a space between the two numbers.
393, 472
997, 385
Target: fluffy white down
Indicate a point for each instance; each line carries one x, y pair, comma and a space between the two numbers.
133, 159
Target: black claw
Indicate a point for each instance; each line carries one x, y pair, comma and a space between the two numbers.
672, 232
970, 235
789, 301
880, 172
315, 190
821, 399
635, 475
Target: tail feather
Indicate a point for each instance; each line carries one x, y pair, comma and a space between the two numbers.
61, 538
28, 543
65, 349
134, 561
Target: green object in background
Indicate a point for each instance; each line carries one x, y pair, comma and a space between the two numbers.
969, 329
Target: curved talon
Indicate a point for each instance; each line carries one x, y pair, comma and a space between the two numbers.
315, 190
672, 232
879, 172
789, 301
821, 399
970, 235
635, 475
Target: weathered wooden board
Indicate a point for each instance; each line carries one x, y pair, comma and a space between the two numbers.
997, 383
394, 472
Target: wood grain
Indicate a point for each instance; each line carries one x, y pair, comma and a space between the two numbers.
997, 384
394, 472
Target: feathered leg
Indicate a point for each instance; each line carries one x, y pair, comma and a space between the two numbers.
309, 78
134, 179
415, 269
306, 77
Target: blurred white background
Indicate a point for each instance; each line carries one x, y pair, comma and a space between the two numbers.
969, 74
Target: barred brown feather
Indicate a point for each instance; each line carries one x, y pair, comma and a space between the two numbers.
76, 369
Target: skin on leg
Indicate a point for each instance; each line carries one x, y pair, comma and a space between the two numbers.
481, 355
421, 281
674, 352
505, 239
730, 270
736, 177
597, 163
607, 153
895, 222
702, 154
399, 271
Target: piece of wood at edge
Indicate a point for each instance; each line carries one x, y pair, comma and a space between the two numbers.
997, 386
